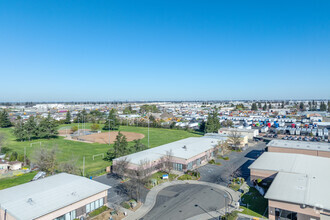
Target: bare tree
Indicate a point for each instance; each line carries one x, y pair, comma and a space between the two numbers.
2, 140
45, 159
166, 161
70, 166
224, 147
121, 167
235, 138
139, 178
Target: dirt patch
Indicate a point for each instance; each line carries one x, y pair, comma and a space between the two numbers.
103, 138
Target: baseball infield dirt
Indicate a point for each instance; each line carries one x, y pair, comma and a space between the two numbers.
103, 138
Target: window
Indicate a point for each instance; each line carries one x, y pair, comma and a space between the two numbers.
101, 202
92, 206
68, 216
88, 208
189, 167
96, 204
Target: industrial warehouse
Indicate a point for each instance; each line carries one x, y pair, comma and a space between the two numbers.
299, 185
60, 197
300, 147
186, 154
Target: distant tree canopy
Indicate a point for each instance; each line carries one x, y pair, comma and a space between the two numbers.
128, 110
34, 129
213, 123
68, 118
240, 107
254, 107
323, 106
112, 122
149, 108
4, 119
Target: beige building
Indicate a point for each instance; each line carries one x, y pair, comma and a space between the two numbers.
9, 165
299, 187
300, 147
250, 133
60, 197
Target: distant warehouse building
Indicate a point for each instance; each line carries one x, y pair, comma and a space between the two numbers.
185, 154
250, 133
300, 147
299, 188
60, 197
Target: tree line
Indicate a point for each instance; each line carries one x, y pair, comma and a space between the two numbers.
35, 128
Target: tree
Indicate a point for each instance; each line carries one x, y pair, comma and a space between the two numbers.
270, 106
138, 146
234, 138
264, 107
2, 141
4, 119
19, 131
120, 148
323, 106
301, 106
111, 121
74, 128
70, 166
328, 106
45, 159
121, 167
254, 107
30, 128
95, 127
13, 156
282, 105
167, 162
47, 127
68, 118
259, 104
224, 147
213, 123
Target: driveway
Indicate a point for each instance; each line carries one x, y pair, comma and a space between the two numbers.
184, 201
118, 193
238, 163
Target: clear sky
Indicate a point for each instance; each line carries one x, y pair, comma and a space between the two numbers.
164, 50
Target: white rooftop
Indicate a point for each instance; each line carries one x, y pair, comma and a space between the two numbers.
301, 179
40, 197
185, 149
300, 145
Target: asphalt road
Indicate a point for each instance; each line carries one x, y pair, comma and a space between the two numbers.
238, 161
185, 201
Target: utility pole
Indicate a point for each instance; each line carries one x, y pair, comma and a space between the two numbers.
84, 166
148, 129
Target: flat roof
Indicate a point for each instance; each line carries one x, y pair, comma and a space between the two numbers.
300, 145
185, 149
301, 179
38, 198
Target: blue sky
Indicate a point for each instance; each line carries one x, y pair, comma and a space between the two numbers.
164, 50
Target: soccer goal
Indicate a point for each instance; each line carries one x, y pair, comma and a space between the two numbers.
97, 155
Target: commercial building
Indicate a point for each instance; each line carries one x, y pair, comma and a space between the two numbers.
60, 197
186, 154
299, 185
250, 133
300, 147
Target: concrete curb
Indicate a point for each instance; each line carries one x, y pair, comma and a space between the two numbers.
152, 195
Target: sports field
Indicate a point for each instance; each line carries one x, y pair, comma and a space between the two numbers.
68, 149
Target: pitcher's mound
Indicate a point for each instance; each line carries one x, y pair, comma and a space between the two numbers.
103, 138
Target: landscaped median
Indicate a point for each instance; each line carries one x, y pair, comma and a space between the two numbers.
159, 178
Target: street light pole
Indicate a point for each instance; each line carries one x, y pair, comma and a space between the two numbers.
148, 129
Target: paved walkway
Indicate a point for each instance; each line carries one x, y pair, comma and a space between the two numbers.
152, 196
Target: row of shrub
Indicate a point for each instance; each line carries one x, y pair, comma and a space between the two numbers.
98, 211
213, 162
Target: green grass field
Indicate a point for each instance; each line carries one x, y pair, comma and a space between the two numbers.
68, 149
17, 180
257, 203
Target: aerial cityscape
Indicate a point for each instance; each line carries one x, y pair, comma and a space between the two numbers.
164, 110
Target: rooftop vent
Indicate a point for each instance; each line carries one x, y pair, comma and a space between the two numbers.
184, 147
30, 201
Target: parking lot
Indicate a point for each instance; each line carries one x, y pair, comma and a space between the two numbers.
238, 163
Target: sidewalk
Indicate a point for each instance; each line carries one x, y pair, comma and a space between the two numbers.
152, 195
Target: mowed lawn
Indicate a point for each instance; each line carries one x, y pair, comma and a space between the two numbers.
73, 149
